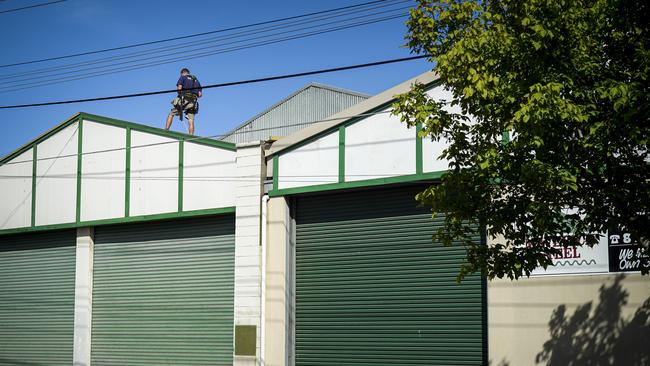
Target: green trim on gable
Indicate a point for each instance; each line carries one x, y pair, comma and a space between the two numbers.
419, 176
276, 170
40, 138
505, 138
330, 130
418, 149
348, 122
341, 154
158, 131
358, 184
120, 220
128, 126
181, 154
79, 161
127, 174
34, 167
118, 123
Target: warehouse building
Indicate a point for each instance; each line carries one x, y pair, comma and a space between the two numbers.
304, 107
123, 244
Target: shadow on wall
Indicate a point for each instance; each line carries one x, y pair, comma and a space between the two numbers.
593, 336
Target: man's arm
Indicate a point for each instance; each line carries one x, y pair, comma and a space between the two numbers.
200, 91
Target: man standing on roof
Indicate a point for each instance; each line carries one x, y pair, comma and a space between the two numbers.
189, 92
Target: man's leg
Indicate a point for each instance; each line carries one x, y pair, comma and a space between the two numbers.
190, 119
168, 124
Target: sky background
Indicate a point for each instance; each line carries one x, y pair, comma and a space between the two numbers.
77, 26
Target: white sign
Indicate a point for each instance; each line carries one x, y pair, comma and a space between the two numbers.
578, 260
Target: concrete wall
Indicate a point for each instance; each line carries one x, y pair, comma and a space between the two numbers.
278, 282
563, 320
83, 296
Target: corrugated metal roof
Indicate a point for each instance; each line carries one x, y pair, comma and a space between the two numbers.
310, 103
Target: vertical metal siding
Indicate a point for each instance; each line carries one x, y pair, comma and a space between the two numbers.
312, 104
37, 274
372, 289
164, 293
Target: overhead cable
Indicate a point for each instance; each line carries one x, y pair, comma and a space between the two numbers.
30, 7
174, 47
220, 85
183, 37
147, 63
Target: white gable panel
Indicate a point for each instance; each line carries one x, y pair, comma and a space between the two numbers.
208, 177
103, 173
154, 174
377, 147
56, 177
16, 192
311, 164
431, 150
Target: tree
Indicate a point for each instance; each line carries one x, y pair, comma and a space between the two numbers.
568, 80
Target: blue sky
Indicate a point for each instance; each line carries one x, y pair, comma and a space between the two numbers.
85, 25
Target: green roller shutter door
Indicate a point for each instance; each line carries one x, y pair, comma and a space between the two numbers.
372, 289
163, 293
37, 274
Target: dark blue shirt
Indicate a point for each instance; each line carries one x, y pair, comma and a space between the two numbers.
187, 82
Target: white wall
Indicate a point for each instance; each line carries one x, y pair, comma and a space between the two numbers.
154, 174
311, 164
247, 242
431, 150
16, 192
83, 296
377, 147
208, 177
56, 177
520, 314
103, 174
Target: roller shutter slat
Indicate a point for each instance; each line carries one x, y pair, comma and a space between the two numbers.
37, 275
164, 293
372, 289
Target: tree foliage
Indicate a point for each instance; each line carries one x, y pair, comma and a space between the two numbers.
568, 80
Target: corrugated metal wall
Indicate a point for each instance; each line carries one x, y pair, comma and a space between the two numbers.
311, 104
37, 274
164, 293
372, 289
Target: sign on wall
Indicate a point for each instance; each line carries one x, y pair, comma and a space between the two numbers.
578, 260
625, 253
615, 252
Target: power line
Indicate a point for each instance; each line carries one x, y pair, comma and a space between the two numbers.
45, 81
334, 14
204, 54
32, 6
221, 85
36, 80
185, 36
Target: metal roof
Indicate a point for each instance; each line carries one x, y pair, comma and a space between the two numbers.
309, 104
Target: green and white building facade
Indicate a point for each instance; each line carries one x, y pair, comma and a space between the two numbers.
123, 244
